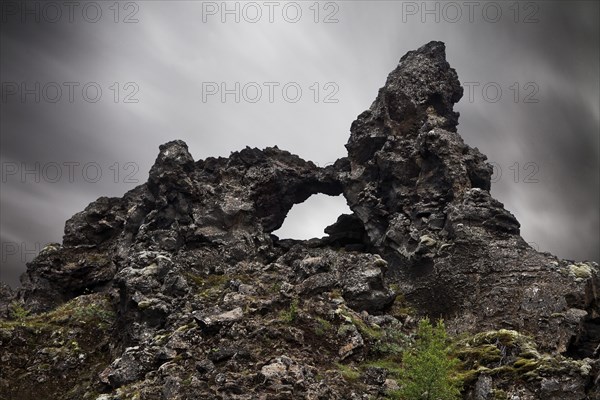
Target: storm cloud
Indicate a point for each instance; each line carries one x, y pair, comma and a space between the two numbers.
90, 91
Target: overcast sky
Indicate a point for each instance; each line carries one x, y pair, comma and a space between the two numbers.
304, 70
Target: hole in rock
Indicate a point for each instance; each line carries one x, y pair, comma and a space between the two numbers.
309, 219
588, 342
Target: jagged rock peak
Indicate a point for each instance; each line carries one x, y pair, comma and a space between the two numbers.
420, 92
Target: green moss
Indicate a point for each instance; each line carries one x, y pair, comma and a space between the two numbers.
130, 392
289, 316
194, 279
187, 381
95, 313
380, 262
508, 355
523, 365
210, 287
74, 345
485, 354
76, 330
161, 340
469, 376
503, 339
344, 329
98, 258
503, 336
400, 308
392, 342
395, 287
391, 364
208, 281
17, 311
79, 311
580, 270
367, 331
275, 288
394, 395
498, 394
348, 373
44, 367
144, 304
184, 328
323, 326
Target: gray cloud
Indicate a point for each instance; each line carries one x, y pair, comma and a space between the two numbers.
170, 52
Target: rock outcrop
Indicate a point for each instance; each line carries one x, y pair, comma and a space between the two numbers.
190, 295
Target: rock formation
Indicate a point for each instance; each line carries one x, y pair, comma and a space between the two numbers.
180, 290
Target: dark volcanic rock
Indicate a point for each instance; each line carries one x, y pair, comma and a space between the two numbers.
6, 297
202, 301
423, 198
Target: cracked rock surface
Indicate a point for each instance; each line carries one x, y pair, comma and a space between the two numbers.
179, 289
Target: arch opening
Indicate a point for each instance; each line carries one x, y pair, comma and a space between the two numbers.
308, 220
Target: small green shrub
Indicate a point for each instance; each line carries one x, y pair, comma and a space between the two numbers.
17, 311
288, 316
428, 369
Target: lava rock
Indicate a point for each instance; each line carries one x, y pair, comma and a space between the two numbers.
192, 276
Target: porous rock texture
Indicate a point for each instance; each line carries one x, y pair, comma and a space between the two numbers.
179, 289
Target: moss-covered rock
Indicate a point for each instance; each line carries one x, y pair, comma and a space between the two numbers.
57, 354
509, 357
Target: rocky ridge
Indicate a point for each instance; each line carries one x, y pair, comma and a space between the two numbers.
180, 290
